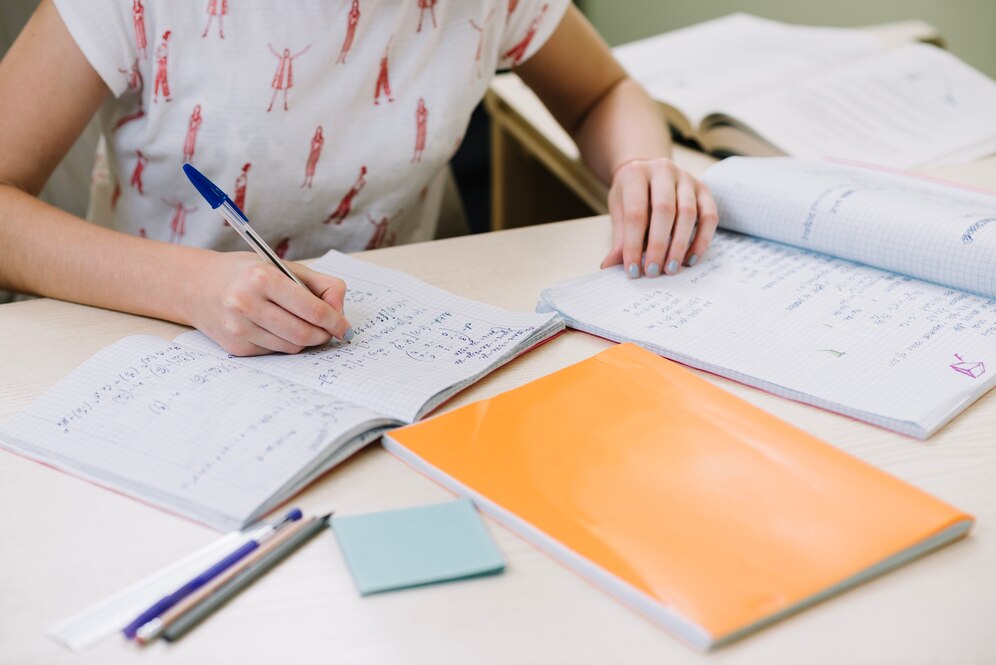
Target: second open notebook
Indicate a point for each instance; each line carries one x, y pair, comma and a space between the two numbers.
183, 425
862, 292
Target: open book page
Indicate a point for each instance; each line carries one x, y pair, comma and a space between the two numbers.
698, 69
910, 106
415, 345
880, 347
942, 234
196, 434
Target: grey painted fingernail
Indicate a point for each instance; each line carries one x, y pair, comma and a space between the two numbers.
672, 267
348, 335
653, 270
693, 259
634, 271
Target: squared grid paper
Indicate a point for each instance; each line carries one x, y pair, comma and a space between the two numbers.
900, 224
415, 345
184, 426
196, 434
868, 343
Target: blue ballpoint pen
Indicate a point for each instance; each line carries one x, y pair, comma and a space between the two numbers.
193, 585
227, 209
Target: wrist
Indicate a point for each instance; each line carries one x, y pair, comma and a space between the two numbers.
180, 278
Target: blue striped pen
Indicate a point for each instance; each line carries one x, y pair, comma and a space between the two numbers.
193, 585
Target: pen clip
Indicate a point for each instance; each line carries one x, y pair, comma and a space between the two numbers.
236, 209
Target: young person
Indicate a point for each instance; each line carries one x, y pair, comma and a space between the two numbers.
346, 112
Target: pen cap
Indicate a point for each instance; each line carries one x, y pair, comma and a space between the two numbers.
211, 193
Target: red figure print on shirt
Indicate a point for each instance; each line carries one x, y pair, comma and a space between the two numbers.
193, 126
283, 79
136, 174
241, 182
347, 43
116, 194
138, 19
480, 37
135, 82
317, 141
381, 237
421, 116
178, 222
134, 75
424, 5
99, 172
162, 77
346, 205
517, 52
512, 4
281, 249
216, 8
383, 82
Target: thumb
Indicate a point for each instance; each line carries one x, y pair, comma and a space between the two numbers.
613, 258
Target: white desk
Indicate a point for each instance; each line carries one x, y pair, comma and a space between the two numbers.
67, 543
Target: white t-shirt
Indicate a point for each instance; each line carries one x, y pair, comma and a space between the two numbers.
328, 122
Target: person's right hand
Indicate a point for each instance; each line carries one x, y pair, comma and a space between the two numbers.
250, 308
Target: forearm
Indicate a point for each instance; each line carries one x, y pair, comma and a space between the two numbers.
622, 125
45, 251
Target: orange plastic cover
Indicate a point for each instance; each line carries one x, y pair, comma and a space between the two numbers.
715, 508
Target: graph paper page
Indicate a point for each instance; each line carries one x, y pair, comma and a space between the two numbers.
874, 345
194, 433
910, 106
941, 234
415, 344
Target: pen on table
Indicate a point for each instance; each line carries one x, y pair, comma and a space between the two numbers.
234, 586
168, 601
153, 629
218, 200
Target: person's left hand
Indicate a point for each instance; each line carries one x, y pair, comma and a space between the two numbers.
653, 201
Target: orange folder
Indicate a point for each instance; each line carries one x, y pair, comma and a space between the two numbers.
704, 512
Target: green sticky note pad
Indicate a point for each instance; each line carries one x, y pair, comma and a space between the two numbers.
397, 549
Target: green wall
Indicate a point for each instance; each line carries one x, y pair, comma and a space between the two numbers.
967, 26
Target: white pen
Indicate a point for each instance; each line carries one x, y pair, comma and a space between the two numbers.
227, 209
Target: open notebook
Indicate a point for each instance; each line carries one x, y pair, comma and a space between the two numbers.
859, 291
707, 514
182, 425
746, 85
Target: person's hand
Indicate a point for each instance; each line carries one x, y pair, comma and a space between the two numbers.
653, 201
250, 308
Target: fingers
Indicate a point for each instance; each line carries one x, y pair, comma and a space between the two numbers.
263, 311
262, 341
615, 255
656, 203
320, 319
635, 212
330, 289
684, 223
708, 217
663, 205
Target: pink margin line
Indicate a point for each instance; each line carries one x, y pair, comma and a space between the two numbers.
910, 174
